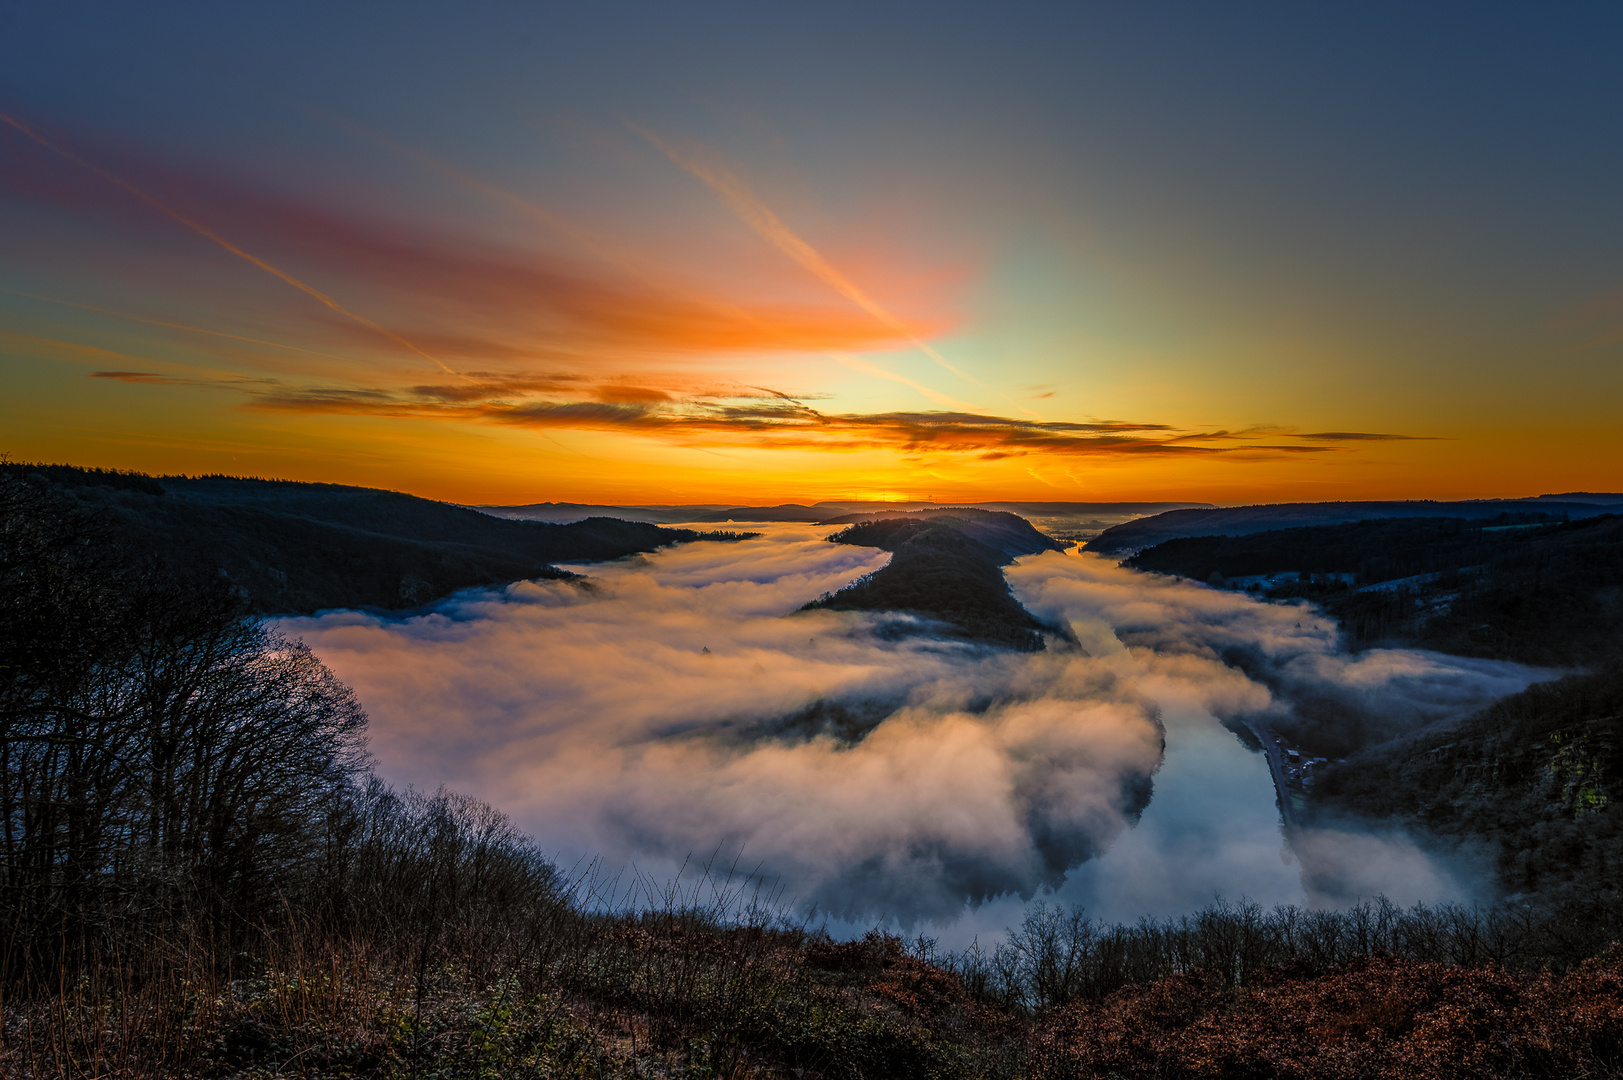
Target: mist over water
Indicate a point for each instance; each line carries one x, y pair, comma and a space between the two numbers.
679, 704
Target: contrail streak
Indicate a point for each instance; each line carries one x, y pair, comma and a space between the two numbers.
172, 325
738, 198
856, 363
209, 234
598, 246
595, 244
618, 259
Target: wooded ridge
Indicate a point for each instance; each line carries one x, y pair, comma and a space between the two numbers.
295, 548
947, 566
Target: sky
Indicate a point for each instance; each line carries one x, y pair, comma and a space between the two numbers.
768, 252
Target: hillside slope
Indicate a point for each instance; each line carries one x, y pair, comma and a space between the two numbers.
299, 547
1137, 535
1536, 777
1517, 587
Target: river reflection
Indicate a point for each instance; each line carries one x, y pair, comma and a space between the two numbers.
1212, 829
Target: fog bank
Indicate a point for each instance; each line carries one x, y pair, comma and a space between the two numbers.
679, 703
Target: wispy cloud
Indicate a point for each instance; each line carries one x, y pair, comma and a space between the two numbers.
1358, 436
764, 419
132, 376
154, 378
57, 349
588, 338
856, 363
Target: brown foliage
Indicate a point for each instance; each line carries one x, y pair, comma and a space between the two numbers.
889, 975
1379, 1017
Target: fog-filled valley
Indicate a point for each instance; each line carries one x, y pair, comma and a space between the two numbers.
921, 794
678, 704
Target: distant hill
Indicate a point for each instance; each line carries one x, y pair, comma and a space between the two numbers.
1523, 586
1063, 514
299, 547
1137, 535
694, 513
946, 566
565, 512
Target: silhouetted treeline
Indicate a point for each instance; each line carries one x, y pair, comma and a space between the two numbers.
293, 548
75, 476
946, 565
160, 750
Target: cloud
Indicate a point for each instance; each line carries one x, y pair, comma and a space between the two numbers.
1342, 866
131, 376
776, 420
856, 363
679, 703
1358, 436
128, 317
71, 351
1293, 649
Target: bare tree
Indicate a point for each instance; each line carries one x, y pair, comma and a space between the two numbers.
163, 753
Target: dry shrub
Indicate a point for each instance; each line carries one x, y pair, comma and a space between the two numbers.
1380, 1017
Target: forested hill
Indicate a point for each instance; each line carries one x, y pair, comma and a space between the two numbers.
1137, 535
1536, 778
1519, 587
298, 547
946, 565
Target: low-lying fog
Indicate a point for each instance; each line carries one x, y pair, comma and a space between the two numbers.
680, 704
